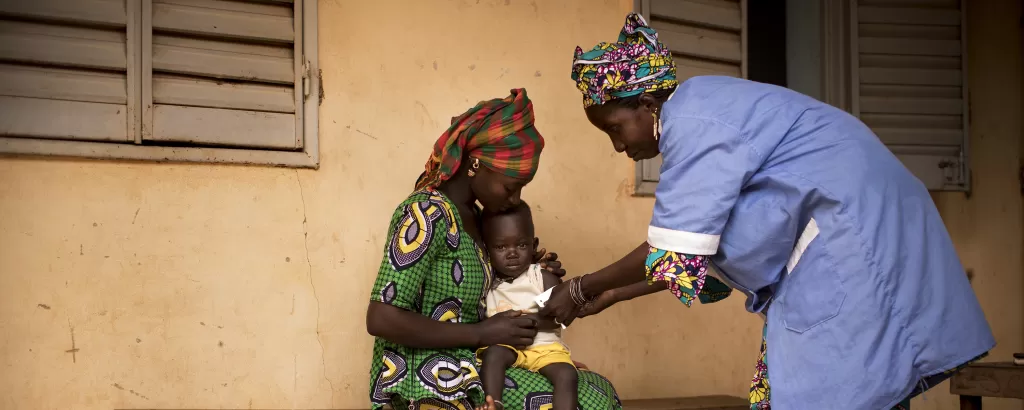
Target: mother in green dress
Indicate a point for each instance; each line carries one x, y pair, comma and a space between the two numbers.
427, 305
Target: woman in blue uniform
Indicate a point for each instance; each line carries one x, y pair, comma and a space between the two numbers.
795, 204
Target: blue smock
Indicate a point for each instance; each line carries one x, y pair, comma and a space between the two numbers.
805, 210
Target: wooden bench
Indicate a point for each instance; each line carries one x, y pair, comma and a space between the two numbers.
978, 380
683, 403
689, 403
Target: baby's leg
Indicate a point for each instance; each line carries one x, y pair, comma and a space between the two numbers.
565, 378
496, 359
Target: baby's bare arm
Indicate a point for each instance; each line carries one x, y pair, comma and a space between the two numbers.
547, 323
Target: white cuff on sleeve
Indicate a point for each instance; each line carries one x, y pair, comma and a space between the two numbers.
682, 241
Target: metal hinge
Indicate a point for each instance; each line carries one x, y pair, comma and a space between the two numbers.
953, 171
305, 79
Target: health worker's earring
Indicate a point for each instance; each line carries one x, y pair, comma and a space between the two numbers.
657, 125
472, 169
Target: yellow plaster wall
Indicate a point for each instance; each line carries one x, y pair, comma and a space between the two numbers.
134, 285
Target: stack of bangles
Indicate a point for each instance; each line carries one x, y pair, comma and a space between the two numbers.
576, 293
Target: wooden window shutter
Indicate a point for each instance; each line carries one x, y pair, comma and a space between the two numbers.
908, 84
226, 73
66, 70
707, 37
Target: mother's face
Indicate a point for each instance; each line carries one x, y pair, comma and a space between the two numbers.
630, 129
496, 191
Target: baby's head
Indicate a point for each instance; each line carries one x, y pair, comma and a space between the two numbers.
509, 238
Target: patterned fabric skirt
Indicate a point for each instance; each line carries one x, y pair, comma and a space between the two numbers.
448, 379
761, 392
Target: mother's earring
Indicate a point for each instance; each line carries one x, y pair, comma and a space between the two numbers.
472, 169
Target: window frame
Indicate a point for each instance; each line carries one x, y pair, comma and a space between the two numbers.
308, 157
954, 173
840, 79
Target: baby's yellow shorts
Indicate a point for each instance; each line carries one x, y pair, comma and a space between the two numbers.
535, 358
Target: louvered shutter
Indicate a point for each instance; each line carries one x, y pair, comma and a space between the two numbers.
65, 71
224, 73
707, 37
909, 87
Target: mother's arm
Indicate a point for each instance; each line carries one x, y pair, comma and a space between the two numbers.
414, 330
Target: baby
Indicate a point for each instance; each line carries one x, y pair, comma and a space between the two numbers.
511, 244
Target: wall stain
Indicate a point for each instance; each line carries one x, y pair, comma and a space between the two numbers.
366, 134
626, 189
137, 394
321, 94
44, 306
426, 113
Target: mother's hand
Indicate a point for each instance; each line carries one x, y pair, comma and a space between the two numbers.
511, 328
560, 305
548, 261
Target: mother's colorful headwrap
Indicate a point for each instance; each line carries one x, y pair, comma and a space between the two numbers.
638, 63
499, 132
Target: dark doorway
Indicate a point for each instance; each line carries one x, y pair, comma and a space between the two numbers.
766, 41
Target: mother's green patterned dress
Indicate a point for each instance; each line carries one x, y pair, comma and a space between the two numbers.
433, 267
